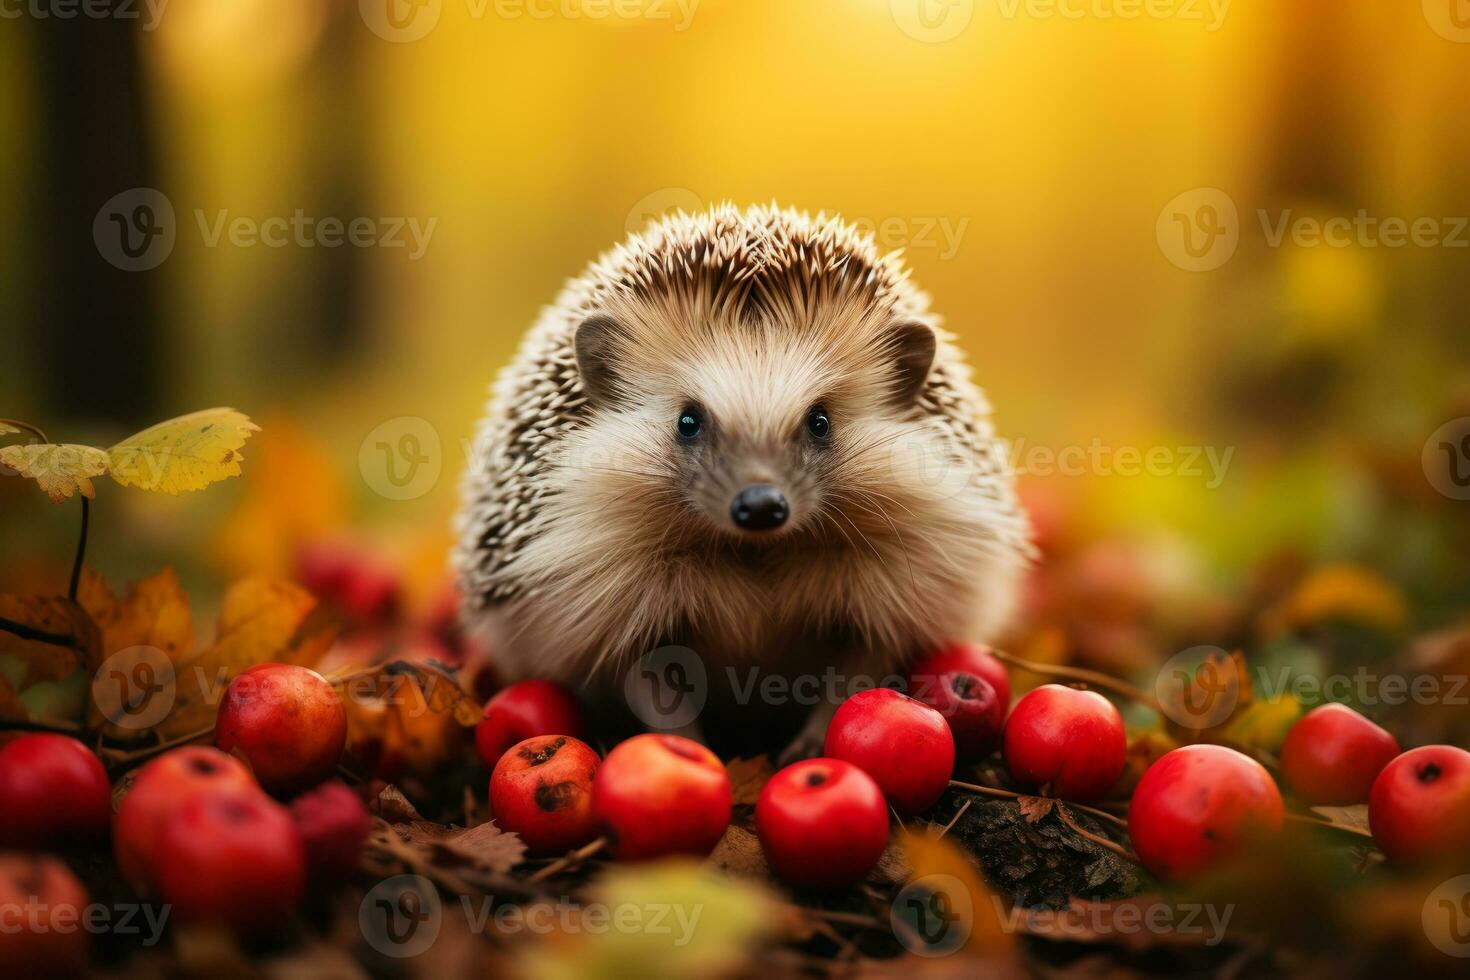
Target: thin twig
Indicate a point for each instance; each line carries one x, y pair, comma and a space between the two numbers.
33, 429
31, 633
843, 918
76, 565
1007, 794
118, 759
566, 861
1097, 839
1093, 677
26, 725
956, 818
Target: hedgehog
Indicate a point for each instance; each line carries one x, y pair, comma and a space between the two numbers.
743, 433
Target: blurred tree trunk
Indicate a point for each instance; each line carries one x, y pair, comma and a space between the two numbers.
97, 330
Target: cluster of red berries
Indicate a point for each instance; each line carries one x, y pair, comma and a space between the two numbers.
824, 822
199, 827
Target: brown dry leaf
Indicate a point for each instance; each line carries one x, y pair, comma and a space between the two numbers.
1139, 924
154, 613
748, 777
1353, 819
739, 853
260, 620
486, 846
1220, 683
405, 718
394, 807
59, 469
54, 637
1036, 807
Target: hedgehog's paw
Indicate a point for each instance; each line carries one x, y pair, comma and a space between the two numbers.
808, 742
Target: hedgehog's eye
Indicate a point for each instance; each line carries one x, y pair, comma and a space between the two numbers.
818, 424
691, 423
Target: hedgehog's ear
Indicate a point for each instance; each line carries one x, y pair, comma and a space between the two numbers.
598, 341
910, 345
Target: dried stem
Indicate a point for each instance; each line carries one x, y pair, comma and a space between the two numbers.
1093, 677
1007, 794
566, 861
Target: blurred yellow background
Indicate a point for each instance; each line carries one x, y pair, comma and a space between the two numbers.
1032, 159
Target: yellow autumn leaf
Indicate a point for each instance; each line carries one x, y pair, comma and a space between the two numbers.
186, 453
946, 906
60, 469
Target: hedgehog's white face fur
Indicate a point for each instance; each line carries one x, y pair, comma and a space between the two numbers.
740, 432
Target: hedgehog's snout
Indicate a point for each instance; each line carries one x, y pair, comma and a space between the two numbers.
759, 507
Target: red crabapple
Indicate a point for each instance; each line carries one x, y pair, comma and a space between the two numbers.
159, 788
822, 823
1333, 754
53, 790
522, 711
1419, 807
542, 790
1196, 806
662, 794
334, 824
904, 744
976, 716
231, 858
1068, 741
287, 723
972, 658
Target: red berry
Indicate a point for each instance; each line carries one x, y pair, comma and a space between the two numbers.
905, 745
1071, 742
160, 787
970, 658
1333, 754
53, 790
525, 710
232, 858
662, 794
975, 715
1198, 805
286, 722
542, 790
1419, 807
822, 823
43, 911
334, 824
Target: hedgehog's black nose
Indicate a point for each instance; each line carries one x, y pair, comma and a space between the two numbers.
759, 508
